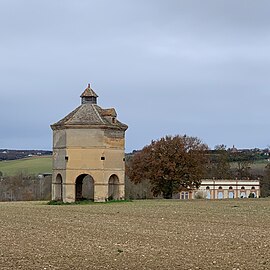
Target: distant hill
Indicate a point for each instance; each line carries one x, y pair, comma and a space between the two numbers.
7, 154
31, 165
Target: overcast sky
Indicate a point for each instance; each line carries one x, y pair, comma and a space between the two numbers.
194, 67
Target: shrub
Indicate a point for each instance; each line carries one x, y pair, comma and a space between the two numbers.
200, 194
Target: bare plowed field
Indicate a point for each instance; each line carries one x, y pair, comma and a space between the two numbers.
137, 235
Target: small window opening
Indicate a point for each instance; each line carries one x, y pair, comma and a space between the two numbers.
102, 158
66, 158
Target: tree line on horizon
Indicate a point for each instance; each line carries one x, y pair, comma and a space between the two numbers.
8, 154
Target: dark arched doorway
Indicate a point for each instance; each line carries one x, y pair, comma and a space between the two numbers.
85, 188
113, 188
58, 188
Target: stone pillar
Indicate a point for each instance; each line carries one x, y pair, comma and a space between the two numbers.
101, 192
121, 191
57, 192
69, 193
53, 190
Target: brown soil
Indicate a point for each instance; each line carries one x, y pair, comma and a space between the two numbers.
137, 235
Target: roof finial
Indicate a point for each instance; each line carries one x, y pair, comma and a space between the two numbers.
89, 96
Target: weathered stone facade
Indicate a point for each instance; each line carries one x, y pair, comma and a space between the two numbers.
88, 153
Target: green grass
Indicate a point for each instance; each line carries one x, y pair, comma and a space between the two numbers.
33, 165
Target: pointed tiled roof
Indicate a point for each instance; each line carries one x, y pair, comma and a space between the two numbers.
90, 115
89, 92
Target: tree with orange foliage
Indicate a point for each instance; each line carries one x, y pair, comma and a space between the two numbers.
171, 164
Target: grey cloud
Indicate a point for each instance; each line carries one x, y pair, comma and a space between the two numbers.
195, 67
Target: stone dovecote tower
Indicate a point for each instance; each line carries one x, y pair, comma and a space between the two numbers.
88, 153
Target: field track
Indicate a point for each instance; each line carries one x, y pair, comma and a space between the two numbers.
156, 234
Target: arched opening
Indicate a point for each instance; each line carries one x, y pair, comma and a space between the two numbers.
220, 195
85, 188
58, 188
252, 195
184, 195
113, 188
208, 193
231, 193
243, 194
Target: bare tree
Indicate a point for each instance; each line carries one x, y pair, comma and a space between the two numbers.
220, 166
